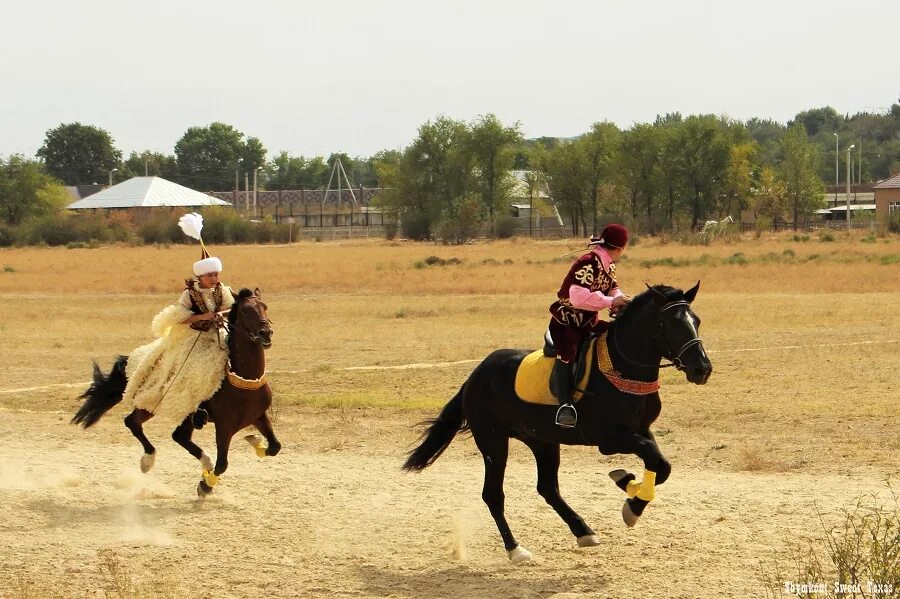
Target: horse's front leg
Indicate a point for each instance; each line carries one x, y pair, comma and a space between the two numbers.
210, 479
547, 457
182, 435
135, 423
656, 471
272, 445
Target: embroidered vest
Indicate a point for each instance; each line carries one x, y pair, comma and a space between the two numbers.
587, 272
198, 304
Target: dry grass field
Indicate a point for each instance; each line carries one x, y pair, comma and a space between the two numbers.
798, 421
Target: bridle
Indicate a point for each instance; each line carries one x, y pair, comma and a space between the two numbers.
242, 328
673, 357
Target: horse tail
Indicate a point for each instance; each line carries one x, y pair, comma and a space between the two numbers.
438, 435
105, 392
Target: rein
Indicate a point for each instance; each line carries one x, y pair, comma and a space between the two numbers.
676, 359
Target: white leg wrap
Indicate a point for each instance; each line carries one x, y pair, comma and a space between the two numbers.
147, 461
519, 555
205, 462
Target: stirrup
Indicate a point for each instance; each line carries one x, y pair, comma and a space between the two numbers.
566, 416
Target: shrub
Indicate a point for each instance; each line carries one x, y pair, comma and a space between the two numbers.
50, 229
863, 548
7, 235
506, 227
416, 225
390, 230
826, 237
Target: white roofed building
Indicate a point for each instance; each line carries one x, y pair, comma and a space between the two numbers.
146, 192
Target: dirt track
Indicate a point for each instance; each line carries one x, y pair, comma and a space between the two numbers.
332, 515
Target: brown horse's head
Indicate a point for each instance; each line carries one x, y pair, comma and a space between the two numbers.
248, 317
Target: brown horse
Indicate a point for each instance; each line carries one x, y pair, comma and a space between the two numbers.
241, 401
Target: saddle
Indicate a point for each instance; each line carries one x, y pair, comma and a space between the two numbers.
533, 375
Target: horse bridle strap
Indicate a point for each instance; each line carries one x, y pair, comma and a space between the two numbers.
676, 357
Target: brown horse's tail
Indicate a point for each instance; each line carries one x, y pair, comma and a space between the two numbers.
105, 392
438, 435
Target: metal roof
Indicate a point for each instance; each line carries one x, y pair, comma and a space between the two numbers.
892, 183
146, 192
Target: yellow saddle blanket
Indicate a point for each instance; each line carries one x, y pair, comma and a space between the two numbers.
533, 377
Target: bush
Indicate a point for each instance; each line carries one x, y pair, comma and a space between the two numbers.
416, 225
50, 229
863, 548
826, 237
7, 235
506, 227
390, 230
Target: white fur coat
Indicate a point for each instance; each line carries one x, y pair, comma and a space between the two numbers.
152, 368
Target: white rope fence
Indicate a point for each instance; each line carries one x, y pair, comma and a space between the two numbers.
427, 365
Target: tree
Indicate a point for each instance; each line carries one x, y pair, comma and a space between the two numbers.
153, 164
637, 168
208, 157
818, 119
702, 144
78, 154
804, 190
737, 186
564, 168
600, 146
26, 190
492, 147
769, 200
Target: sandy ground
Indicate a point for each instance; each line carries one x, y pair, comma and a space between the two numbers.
333, 516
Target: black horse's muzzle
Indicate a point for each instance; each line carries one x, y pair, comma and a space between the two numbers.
697, 368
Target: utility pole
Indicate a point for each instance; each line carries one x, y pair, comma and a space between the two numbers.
146, 169
837, 153
848, 186
246, 192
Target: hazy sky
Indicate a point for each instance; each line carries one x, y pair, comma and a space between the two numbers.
315, 76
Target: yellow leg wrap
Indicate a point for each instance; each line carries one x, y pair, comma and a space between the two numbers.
260, 450
632, 488
210, 478
648, 486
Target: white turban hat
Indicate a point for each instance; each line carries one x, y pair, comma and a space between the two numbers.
207, 265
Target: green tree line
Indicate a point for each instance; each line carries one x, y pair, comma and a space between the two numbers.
454, 179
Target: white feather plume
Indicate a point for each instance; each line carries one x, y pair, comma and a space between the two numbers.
191, 224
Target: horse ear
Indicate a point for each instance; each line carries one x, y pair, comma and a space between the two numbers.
256, 293
658, 297
691, 293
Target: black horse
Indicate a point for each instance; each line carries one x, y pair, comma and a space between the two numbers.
658, 323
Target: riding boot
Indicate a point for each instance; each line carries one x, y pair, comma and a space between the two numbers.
562, 376
200, 418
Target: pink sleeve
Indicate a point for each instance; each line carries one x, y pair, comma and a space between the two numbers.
585, 299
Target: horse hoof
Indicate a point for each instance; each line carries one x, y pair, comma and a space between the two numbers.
147, 461
205, 462
628, 516
621, 478
588, 541
203, 490
618, 474
519, 555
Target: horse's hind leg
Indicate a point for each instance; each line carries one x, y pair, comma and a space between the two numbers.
547, 457
135, 422
223, 442
495, 449
182, 435
272, 446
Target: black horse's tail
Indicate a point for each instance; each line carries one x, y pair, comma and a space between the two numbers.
105, 392
438, 435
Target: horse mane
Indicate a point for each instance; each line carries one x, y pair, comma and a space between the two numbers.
238, 299
640, 301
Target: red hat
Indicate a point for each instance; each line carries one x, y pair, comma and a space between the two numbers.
615, 236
